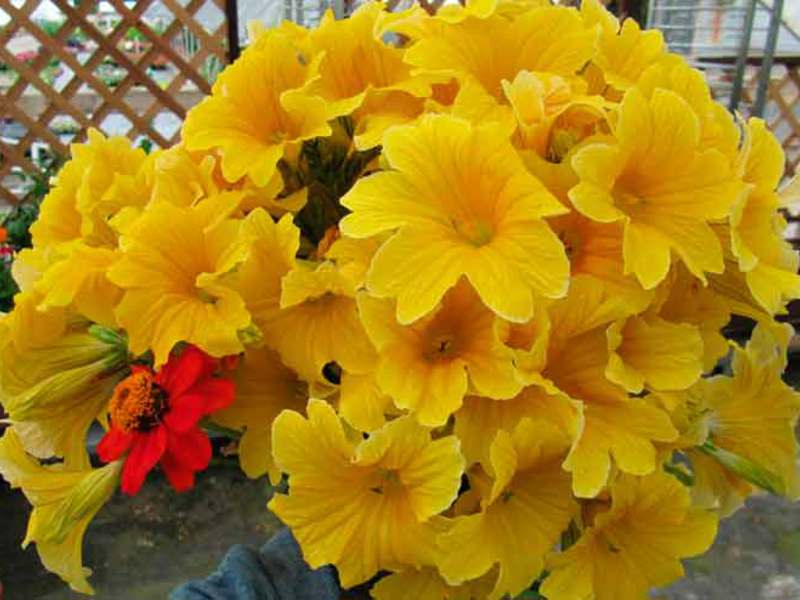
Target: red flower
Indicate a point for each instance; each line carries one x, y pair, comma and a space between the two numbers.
154, 419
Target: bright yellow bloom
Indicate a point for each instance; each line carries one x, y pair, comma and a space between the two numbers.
64, 502
529, 505
614, 425
658, 181
87, 192
54, 391
362, 403
428, 584
547, 40
633, 546
625, 51
29, 327
479, 419
548, 109
257, 113
753, 414
364, 506
270, 256
688, 301
428, 367
356, 62
463, 204
769, 262
79, 280
318, 306
646, 350
718, 130
264, 387
595, 249
172, 268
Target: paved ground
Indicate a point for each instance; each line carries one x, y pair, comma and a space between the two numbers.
142, 547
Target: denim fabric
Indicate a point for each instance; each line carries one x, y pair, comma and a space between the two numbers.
276, 572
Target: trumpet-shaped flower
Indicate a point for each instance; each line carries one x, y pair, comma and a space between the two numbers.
154, 417
634, 545
753, 414
654, 352
624, 51
356, 62
529, 505
429, 366
54, 391
462, 204
64, 501
257, 111
318, 305
479, 419
264, 387
428, 584
492, 50
365, 506
661, 184
768, 260
172, 280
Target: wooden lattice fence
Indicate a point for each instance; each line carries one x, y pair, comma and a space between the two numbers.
124, 68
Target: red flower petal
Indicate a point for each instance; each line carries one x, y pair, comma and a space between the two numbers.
148, 448
190, 450
181, 478
184, 412
114, 444
181, 373
218, 393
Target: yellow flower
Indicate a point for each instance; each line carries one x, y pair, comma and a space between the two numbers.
718, 130
463, 204
753, 414
356, 62
688, 301
625, 51
428, 367
714, 486
78, 279
656, 180
768, 260
365, 506
633, 546
546, 105
362, 403
64, 502
257, 113
89, 190
546, 40
428, 584
614, 425
647, 350
27, 326
54, 391
595, 249
318, 307
264, 387
529, 505
271, 255
172, 268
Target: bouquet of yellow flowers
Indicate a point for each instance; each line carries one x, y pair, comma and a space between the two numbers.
457, 277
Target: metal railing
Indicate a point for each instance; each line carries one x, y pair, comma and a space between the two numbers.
723, 39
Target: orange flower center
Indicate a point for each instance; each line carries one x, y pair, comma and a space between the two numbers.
138, 403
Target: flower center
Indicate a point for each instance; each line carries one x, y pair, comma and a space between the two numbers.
477, 232
441, 347
138, 403
387, 481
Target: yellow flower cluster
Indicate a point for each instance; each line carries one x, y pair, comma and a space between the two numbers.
495, 246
